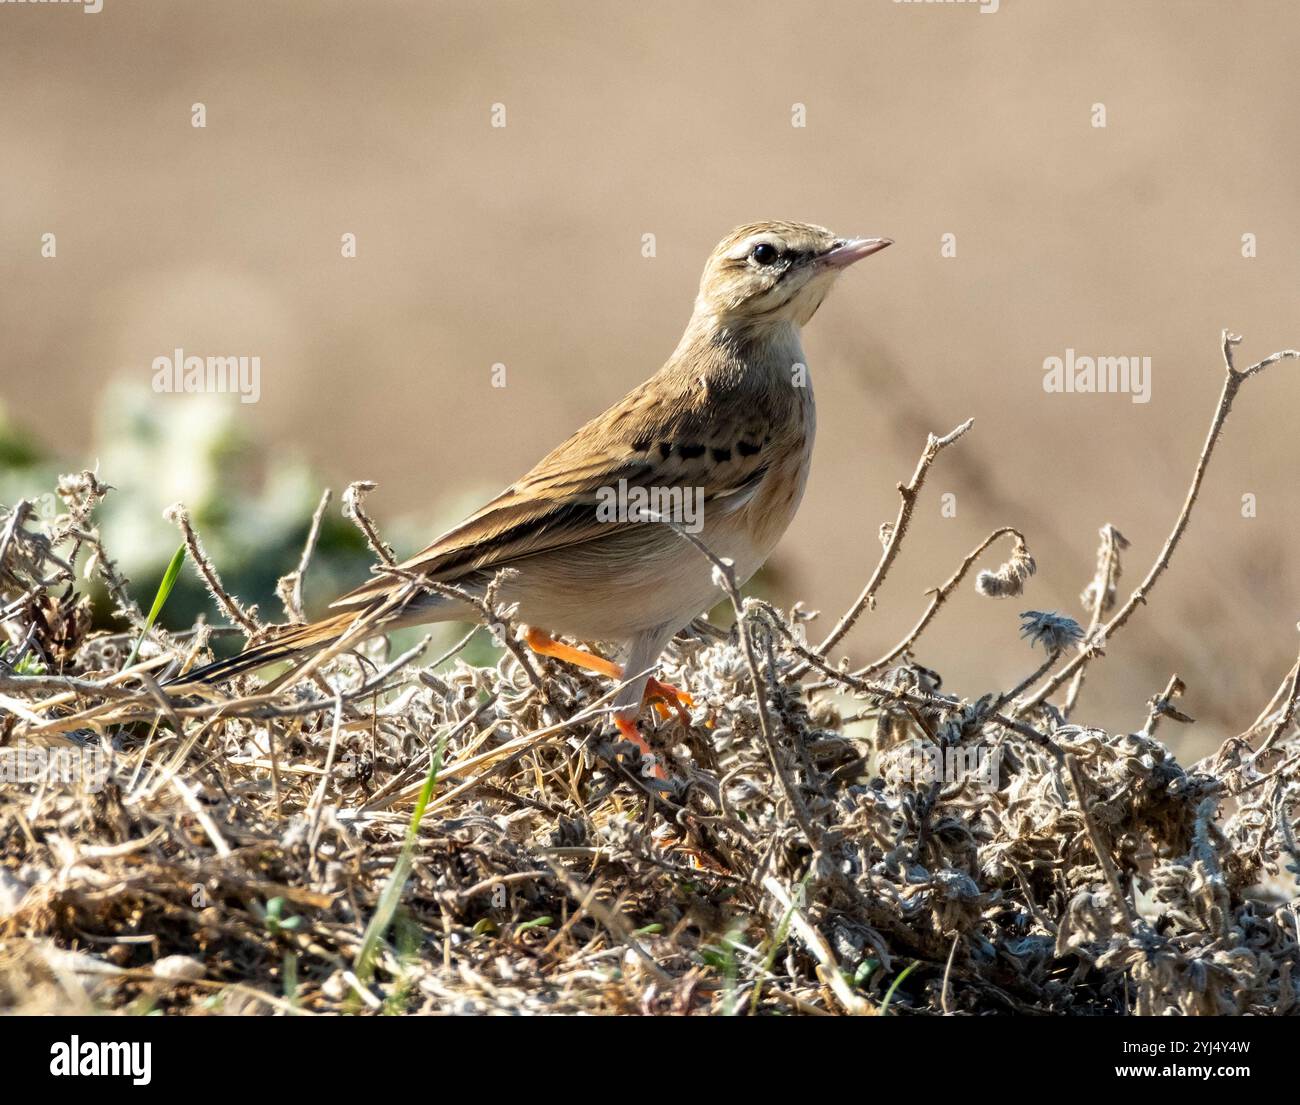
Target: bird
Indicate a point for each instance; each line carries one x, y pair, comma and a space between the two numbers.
725, 427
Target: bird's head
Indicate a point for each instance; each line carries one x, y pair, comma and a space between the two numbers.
775, 272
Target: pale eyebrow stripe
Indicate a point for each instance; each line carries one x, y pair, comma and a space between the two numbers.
748, 244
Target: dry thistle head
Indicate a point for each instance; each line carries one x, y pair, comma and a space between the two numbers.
1009, 579
1055, 632
81, 492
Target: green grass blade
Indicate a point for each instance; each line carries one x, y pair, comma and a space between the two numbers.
889, 994
159, 600
391, 895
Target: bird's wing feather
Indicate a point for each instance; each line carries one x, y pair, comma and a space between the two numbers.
677, 441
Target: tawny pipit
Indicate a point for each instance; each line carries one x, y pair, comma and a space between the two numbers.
727, 423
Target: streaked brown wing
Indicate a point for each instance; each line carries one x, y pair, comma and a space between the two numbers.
678, 440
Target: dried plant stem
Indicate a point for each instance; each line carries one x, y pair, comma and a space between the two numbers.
245, 619
908, 493
947, 975
940, 594
17, 516
1099, 845
289, 588
1028, 681
1104, 587
354, 509
1288, 712
1284, 699
725, 575
1232, 381
493, 618
930, 702
610, 918
1161, 705
1278, 697
116, 584
815, 943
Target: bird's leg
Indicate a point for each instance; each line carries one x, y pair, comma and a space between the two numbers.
630, 733
660, 694
652, 690
543, 643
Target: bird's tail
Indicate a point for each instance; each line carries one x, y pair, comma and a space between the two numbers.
294, 641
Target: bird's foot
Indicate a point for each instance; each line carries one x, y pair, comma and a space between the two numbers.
664, 696
667, 699
650, 765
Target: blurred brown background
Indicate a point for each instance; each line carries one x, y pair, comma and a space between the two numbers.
522, 245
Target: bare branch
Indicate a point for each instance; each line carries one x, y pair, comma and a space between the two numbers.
354, 510
940, 597
907, 493
244, 618
1232, 381
289, 587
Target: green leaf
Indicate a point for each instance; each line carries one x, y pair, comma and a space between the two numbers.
159, 600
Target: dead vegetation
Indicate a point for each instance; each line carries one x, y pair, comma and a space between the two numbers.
388, 835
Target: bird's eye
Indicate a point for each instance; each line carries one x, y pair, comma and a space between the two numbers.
764, 253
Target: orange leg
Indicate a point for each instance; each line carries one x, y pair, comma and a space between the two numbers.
542, 642
631, 734
660, 694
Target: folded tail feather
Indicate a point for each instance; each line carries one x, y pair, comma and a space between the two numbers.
299, 640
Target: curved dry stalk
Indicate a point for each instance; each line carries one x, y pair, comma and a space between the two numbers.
1232, 381
289, 587
1288, 712
908, 493
929, 701
354, 510
724, 574
246, 619
941, 594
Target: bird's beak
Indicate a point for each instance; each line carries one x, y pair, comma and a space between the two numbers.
843, 254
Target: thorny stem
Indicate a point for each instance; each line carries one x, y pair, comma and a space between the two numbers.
940, 597
245, 619
908, 493
1232, 381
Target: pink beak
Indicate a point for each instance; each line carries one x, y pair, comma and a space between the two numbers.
844, 254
